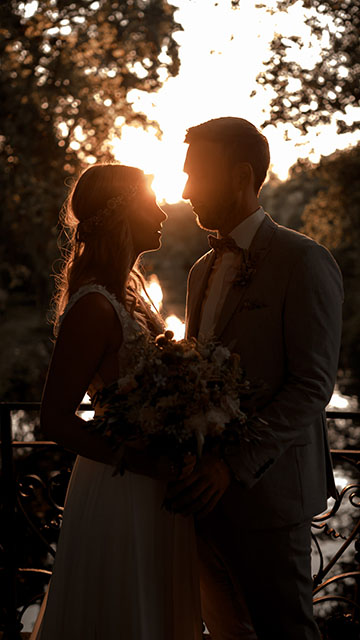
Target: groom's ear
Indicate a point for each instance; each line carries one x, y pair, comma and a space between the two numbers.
242, 175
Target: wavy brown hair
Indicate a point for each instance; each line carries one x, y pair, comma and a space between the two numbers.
241, 141
106, 256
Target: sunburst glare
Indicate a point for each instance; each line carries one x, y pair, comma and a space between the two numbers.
161, 158
154, 291
176, 325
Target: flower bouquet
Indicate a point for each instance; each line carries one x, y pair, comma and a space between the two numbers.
178, 397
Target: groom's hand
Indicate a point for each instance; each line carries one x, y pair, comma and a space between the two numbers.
198, 493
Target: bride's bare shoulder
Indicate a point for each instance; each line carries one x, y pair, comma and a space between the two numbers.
92, 312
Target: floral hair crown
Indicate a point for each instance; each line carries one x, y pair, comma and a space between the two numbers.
89, 226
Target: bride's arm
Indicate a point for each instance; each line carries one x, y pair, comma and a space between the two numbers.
90, 330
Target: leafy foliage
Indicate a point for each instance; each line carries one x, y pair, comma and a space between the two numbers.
66, 72
332, 218
326, 84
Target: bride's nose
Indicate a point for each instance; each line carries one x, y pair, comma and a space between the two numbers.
162, 215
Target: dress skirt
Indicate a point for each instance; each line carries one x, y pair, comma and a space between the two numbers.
125, 568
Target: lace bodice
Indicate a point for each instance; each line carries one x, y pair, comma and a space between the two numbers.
128, 323
130, 327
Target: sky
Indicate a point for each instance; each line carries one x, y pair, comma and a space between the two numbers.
221, 52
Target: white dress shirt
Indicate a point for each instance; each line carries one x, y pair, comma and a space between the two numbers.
224, 272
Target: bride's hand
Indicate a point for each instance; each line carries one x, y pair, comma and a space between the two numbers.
187, 467
165, 469
198, 493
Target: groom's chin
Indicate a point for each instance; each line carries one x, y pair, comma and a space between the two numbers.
207, 218
204, 223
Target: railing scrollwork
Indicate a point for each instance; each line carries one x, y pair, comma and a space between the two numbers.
346, 624
33, 497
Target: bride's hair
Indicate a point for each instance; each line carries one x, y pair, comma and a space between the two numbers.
99, 247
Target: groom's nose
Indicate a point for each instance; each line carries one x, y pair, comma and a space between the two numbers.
186, 192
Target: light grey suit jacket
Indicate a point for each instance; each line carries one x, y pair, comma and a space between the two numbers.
285, 323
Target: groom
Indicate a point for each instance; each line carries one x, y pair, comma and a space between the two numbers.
279, 306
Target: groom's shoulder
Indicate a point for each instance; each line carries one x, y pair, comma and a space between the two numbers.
293, 240
293, 247
287, 235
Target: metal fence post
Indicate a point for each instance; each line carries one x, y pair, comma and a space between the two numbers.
12, 625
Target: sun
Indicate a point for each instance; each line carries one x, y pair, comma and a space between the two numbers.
163, 159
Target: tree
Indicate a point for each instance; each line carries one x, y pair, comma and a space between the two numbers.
313, 90
332, 218
327, 84
66, 72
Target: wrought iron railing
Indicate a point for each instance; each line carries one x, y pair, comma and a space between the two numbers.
24, 485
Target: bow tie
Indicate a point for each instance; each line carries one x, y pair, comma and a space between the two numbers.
222, 245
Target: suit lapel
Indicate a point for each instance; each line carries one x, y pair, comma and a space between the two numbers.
196, 296
257, 251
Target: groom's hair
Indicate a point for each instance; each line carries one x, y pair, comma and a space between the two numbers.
241, 141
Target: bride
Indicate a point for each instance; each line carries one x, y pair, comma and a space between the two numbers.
125, 568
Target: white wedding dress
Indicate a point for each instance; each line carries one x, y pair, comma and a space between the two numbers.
125, 568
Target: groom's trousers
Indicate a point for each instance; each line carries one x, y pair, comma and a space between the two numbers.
257, 584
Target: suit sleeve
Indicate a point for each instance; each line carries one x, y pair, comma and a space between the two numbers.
312, 334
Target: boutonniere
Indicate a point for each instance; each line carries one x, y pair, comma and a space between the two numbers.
249, 305
246, 269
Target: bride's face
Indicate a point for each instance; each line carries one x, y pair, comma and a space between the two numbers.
145, 222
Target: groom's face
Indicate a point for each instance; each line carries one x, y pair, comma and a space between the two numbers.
209, 185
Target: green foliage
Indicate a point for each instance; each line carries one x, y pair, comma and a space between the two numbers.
26, 341
309, 95
332, 218
66, 72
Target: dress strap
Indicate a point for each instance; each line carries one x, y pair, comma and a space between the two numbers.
125, 319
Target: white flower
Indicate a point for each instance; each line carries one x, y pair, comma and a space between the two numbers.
220, 355
231, 405
160, 380
195, 423
217, 416
190, 355
126, 384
